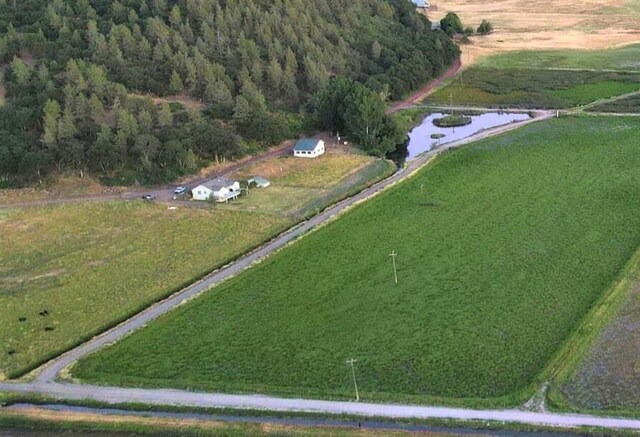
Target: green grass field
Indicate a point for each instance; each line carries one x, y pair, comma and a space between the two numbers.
503, 246
89, 265
529, 88
623, 58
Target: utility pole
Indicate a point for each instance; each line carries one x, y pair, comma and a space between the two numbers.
353, 373
395, 271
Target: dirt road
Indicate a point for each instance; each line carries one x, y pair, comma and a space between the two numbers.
164, 193
415, 98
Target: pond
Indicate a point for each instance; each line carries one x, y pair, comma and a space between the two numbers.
420, 138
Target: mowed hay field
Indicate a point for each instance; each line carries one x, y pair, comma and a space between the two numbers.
503, 247
85, 266
524, 25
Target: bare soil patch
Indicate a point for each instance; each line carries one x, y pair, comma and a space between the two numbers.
183, 99
28, 58
544, 24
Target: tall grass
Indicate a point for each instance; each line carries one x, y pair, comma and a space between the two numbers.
529, 88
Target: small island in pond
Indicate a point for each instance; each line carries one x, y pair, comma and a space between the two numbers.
452, 121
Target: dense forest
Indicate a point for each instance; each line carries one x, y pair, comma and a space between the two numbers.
78, 76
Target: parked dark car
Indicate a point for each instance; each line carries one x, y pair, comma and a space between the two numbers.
148, 197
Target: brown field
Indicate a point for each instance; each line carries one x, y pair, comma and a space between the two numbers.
544, 24
314, 173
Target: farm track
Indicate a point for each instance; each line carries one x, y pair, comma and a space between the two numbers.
115, 395
415, 98
162, 193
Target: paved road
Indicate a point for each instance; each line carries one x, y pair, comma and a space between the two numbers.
116, 395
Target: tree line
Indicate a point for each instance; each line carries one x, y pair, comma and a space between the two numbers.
76, 71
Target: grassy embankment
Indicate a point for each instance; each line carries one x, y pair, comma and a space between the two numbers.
504, 246
187, 421
601, 376
544, 79
87, 266
628, 105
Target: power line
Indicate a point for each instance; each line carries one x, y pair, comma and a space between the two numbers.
353, 372
393, 255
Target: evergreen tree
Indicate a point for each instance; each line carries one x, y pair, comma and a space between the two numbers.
176, 86
50, 123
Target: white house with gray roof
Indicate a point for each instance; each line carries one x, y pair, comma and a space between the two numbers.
220, 190
308, 148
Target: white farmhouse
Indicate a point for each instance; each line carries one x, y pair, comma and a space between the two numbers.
308, 148
220, 190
